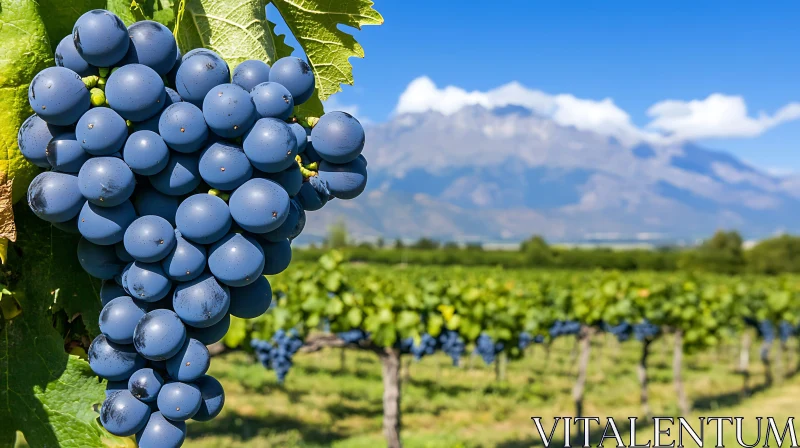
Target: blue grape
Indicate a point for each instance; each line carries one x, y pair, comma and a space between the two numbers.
236, 260
289, 225
99, 261
119, 249
213, 398
183, 127
122, 277
201, 302
111, 361
152, 44
200, 71
146, 153
174, 70
123, 415
353, 336
271, 145
277, 256
272, 100
101, 131
488, 349
160, 432
291, 179
310, 154
151, 202
190, 363
135, 91
253, 300
159, 335
109, 291
203, 218
452, 344
228, 110
105, 225
33, 137
259, 205
345, 181
106, 181
65, 153
314, 194
149, 239
301, 223
338, 137
296, 75
147, 281
186, 261
144, 384
180, 177
70, 226
213, 334
100, 38
301, 135
179, 401
250, 73
59, 96
151, 124
67, 56
785, 330
224, 166
115, 386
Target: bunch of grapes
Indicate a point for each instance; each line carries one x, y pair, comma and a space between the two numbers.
452, 344
488, 349
187, 185
277, 354
526, 339
564, 328
766, 330
427, 346
622, 331
785, 331
353, 336
645, 330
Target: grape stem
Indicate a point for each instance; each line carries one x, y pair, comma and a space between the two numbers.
224, 196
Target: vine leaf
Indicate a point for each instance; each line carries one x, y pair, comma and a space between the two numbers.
314, 23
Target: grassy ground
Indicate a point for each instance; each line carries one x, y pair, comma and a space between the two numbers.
322, 404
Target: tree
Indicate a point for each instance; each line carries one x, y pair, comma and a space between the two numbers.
537, 252
398, 244
721, 253
775, 255
380, 243
337, 236
426, 243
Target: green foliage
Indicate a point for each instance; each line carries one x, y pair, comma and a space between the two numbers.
337, 236
721, 253
775, 256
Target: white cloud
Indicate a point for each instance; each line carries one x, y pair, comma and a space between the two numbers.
671, 121
333, 104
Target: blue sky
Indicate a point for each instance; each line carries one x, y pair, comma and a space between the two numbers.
637, 53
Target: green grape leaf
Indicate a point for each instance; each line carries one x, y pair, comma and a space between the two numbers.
314, 23
131, 11
45, 393
59, 16
237, 30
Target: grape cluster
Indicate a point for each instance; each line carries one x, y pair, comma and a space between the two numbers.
564, 328
452, 345
277, 354
187, 186
785, 331
353, 336
488, 349
645, 330
622, 331
525, 339
766, 330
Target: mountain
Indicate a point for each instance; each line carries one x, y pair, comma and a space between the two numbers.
505, 174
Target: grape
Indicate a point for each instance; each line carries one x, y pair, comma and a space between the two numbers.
353, 336
278, 354
180, 177
152, 44
174, 70
345, 181
101, 131
301, 135
106, 181
161, 432
99, 261
289, 225
291, 179
301, 223
250, 73
272, 100
203, 218
135, 91
122, 277
259, 205
201, 302
70, 226
183, 127
105, 225
147, 281
146, 153
487, 349
253, 300
33, 137
151, 124
100, 38
149, 239
58, 96
236, 260
159, 335
200, 71
224, 166
179, 401
271, 145
277, 257
296, 75
122, 254
314, 194
452, 344
213, 398
123, 415
151, 202
186, 261
110, 291
228, 110
213, 334
114, 386
310, 154
190, 363
144, 384
67, 56
65, 154
338, 137
111, 361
